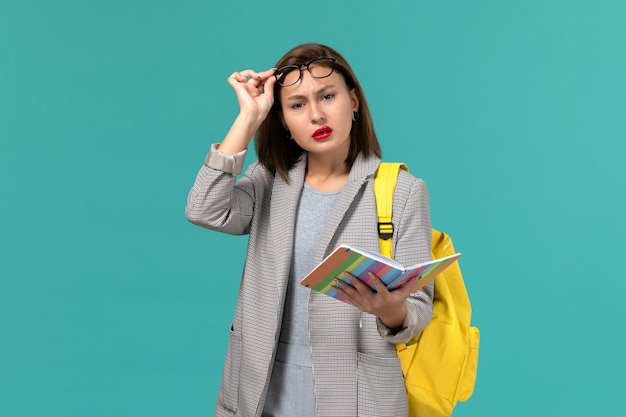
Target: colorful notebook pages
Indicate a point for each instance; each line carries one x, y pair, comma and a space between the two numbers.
359, 262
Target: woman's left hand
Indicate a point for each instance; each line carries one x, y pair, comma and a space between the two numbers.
387, 305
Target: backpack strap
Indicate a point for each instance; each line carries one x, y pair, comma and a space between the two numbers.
384, 186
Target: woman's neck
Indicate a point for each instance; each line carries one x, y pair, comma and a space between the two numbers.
325, 175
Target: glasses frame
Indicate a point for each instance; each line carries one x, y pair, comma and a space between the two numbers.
288, 68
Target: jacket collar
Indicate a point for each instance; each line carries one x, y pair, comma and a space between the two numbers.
362, 170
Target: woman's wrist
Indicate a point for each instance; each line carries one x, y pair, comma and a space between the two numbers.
395, 319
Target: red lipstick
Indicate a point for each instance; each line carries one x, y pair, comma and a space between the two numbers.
322, 133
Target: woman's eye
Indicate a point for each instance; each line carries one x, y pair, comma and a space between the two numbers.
297, 106
328, 96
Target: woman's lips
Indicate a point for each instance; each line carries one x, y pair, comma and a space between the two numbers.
322, 133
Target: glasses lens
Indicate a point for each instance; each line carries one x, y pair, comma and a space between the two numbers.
318, 68
288, 75
321, 68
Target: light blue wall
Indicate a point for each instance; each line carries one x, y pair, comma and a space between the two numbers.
111, 304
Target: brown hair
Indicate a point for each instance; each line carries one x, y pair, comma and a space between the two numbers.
275, 150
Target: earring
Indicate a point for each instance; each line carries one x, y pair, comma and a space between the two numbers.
288, 135
355, 116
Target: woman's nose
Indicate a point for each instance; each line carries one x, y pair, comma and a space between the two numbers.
316, 112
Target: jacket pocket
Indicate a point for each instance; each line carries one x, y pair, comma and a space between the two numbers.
380, 387
228, 396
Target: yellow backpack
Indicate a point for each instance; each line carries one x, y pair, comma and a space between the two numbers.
440, 363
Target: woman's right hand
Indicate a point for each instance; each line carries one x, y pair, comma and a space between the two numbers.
255, 93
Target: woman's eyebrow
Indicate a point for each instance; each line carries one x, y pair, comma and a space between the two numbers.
318, 92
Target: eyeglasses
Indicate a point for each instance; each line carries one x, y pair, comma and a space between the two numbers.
318, 68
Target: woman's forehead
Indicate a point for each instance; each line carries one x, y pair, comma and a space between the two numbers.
308, 84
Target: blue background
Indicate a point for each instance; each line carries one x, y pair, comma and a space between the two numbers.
514, 113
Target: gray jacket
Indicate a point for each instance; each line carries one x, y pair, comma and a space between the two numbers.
355, 367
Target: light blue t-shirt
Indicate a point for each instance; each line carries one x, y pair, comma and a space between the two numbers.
291, 389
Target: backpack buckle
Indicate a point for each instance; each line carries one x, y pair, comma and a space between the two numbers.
385, 230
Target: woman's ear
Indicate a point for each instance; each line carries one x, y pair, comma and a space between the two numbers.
355, 100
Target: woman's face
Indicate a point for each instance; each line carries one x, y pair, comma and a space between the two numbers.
318, 113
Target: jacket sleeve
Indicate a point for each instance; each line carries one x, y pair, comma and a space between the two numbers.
217, 200
412, 245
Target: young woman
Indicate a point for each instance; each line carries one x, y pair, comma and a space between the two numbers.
293, 352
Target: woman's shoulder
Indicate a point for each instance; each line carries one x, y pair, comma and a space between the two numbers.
405, 177
408, 183
409, 177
